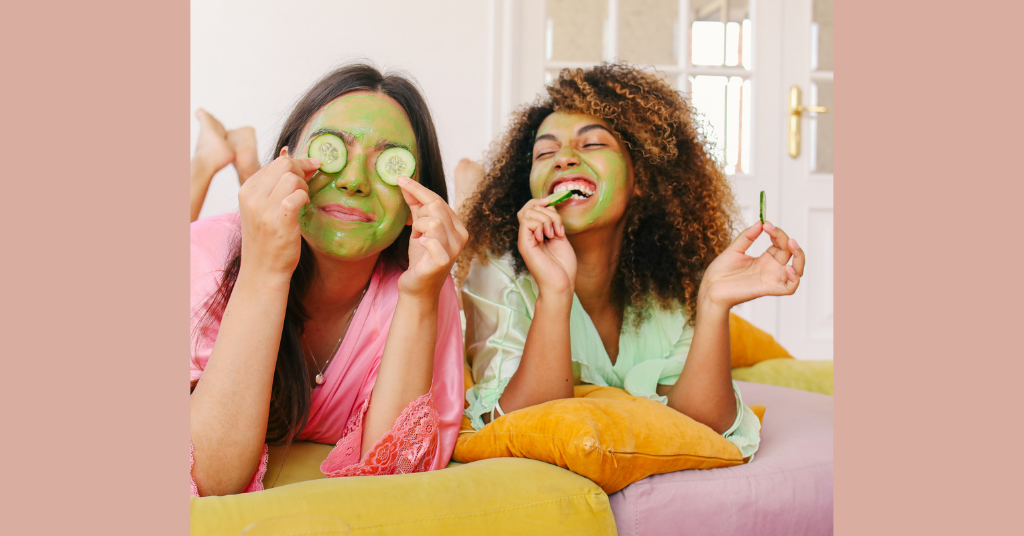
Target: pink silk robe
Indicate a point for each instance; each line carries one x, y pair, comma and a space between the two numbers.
422, 438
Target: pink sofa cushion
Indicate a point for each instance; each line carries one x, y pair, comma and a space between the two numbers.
786, 490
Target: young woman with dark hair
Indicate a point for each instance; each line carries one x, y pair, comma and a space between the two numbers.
294, 298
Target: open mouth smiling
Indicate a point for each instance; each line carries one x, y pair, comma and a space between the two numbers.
582, 187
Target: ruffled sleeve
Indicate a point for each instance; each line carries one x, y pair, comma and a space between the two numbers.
499, 309
408, 447
256, 484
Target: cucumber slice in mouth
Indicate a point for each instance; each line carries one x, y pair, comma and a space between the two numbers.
558, 197
331, 151
395, 162
762, 207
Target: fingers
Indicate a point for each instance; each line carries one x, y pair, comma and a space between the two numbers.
429, 226
433, 206
798, 257
436, 251
291, 204
545, 221
778, 279
785, 248
780, 243
746, 238
421, 195
269, 177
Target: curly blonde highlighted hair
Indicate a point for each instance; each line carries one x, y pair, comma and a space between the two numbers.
679, 221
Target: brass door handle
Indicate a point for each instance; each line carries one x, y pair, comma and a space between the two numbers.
796, 110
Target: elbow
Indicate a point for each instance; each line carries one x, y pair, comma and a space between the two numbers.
218, 488
722, 422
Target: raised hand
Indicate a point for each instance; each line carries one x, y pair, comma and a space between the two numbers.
545, 249
437, 238
269, 204
735, 277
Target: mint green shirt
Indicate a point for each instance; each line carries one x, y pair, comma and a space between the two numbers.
499, 307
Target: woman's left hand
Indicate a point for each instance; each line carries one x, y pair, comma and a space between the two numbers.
735, 277
437, 238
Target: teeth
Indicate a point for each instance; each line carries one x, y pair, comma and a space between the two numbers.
585, 190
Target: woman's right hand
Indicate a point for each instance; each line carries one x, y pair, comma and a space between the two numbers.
547, 252
269, 204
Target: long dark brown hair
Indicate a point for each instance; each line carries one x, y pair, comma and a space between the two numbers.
290, 394
680, 220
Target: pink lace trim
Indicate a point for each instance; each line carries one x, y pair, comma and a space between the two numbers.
256, 484
408, 447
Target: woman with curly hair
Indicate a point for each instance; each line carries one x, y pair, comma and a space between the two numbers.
629, 283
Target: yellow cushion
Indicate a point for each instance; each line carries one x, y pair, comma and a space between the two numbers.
296, 463
494, 497
814, 376
750, 344
605, 435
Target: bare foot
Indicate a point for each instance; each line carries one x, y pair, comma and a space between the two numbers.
243, 143
467, 176
212, 149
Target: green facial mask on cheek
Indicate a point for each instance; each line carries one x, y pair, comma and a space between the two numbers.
614, 187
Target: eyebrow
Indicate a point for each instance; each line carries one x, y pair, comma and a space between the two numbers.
348, 138
588, 128
581, 132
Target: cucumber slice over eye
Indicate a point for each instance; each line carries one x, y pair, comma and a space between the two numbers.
558, 197
762, 207
395, 162
331, 151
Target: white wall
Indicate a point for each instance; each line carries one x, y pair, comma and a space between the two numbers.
251, 60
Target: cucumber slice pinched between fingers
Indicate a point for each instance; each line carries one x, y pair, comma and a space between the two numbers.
331, 151
395, 162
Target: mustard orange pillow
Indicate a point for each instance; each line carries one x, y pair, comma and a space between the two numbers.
605, 435
750, 345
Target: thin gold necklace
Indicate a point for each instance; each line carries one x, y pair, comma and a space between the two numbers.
320, 370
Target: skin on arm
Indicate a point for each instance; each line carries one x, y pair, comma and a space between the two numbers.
545, 369
704, 388
230, 404
406, 368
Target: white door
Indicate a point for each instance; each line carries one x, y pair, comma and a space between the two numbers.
806, 319
736, 59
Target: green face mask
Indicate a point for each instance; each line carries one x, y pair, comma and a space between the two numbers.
580, 152
354, 214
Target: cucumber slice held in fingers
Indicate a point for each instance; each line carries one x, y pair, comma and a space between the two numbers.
331, 151
395, 162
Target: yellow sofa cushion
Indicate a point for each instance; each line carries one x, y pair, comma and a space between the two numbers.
605, 435
814, 376
494, 497
749, 344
